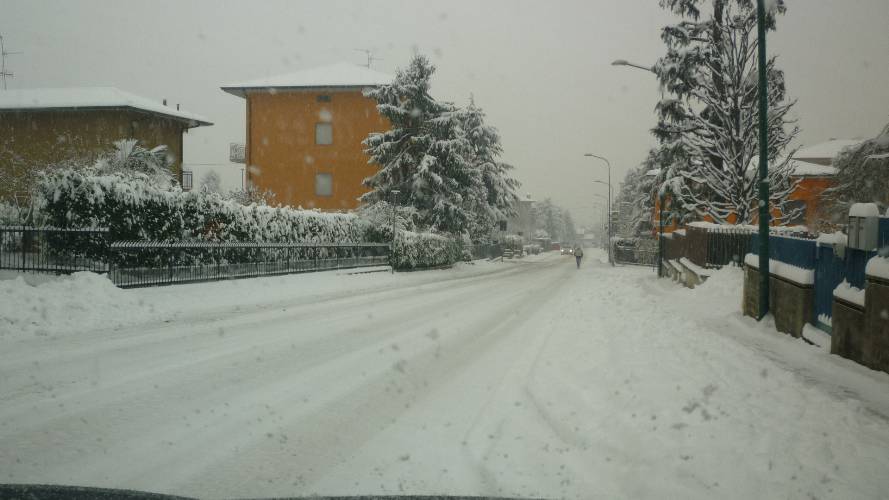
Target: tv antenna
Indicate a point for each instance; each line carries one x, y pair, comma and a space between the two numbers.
3, 54
370, 57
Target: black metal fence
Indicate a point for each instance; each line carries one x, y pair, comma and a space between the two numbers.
149, 263
52, 250
635, 251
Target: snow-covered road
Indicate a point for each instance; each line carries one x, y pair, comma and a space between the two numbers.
525, 378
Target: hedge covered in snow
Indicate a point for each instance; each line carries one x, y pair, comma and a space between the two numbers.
133, 209
418, 250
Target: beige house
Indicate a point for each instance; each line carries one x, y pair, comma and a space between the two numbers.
44, 127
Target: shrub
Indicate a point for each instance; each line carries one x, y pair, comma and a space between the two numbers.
418, 250
134, 208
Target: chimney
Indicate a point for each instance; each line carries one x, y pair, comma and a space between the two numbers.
177, 106
165, 102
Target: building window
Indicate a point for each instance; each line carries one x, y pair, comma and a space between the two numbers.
323, 185
187, 180
323, 133
323, 98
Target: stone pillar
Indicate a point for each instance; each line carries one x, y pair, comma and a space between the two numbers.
875, 348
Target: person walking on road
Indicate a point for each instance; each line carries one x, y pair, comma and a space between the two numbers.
578, 254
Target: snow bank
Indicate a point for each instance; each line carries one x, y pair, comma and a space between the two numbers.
56, 306
878, 267
784, 270
864, 210
845, 291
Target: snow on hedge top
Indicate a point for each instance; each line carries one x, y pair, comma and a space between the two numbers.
864, 210
90, 97
342, 74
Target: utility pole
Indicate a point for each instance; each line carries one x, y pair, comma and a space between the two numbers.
3, 53
370, 57
395, 193
763, 162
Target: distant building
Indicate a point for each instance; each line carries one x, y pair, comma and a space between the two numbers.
40, 127
230, 176
522, 223
814, 171
305, 133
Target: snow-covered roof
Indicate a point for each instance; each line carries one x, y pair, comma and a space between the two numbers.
807, 169
342, 74
653, 172
825, 150
91, 98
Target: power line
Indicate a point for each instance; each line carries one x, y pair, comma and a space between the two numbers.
3, 53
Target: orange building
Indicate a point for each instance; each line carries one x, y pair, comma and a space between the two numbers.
814, 171
305, 133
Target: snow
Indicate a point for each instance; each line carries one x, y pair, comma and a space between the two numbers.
343, 74
845, 291
827, 150
527, 378
864, 210
878, 267
802, 168
691, 266
90, 97
789, 272
828, 239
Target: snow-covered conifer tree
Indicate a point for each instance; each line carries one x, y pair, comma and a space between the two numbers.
425, 153
492, 193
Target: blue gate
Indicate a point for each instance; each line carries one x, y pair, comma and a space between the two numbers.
830, 271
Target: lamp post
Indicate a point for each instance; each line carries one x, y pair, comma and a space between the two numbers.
604, 184
608, 163
763, 161
661, 198
394, 193
624, 62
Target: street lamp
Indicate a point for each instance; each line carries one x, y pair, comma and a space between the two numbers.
610, 233
661, 198
604, 184
624, 62
395, 194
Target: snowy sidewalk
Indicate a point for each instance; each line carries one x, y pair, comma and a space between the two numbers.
525, 378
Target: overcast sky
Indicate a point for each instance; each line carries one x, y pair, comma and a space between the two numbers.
541, 70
